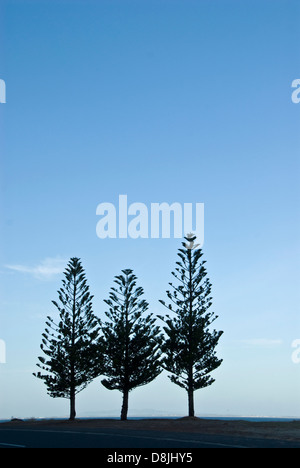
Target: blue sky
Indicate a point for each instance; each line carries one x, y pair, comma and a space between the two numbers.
165, 101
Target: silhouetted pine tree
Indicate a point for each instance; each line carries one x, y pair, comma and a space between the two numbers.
189, 345
71, 346
131, 340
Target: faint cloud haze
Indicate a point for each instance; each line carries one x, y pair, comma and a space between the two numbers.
264, 342
46, 270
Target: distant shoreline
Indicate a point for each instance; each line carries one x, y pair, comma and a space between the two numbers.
139, 418
283, 429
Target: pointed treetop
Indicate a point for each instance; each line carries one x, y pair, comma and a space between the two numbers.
190, 244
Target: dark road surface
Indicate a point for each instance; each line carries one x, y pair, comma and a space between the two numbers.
49, 437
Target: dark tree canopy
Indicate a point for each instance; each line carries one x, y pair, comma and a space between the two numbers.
70, 344
131, 339
189, 345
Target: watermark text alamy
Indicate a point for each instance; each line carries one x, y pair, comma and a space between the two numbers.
2, 92
155, 221
2, 352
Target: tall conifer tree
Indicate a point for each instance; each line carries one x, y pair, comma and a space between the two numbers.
71, 344
189, 345
131, 340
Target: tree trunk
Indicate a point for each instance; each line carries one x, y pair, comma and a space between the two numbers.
72, 405
124, 411
191, 403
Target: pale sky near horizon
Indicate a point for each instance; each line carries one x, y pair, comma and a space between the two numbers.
164, 101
